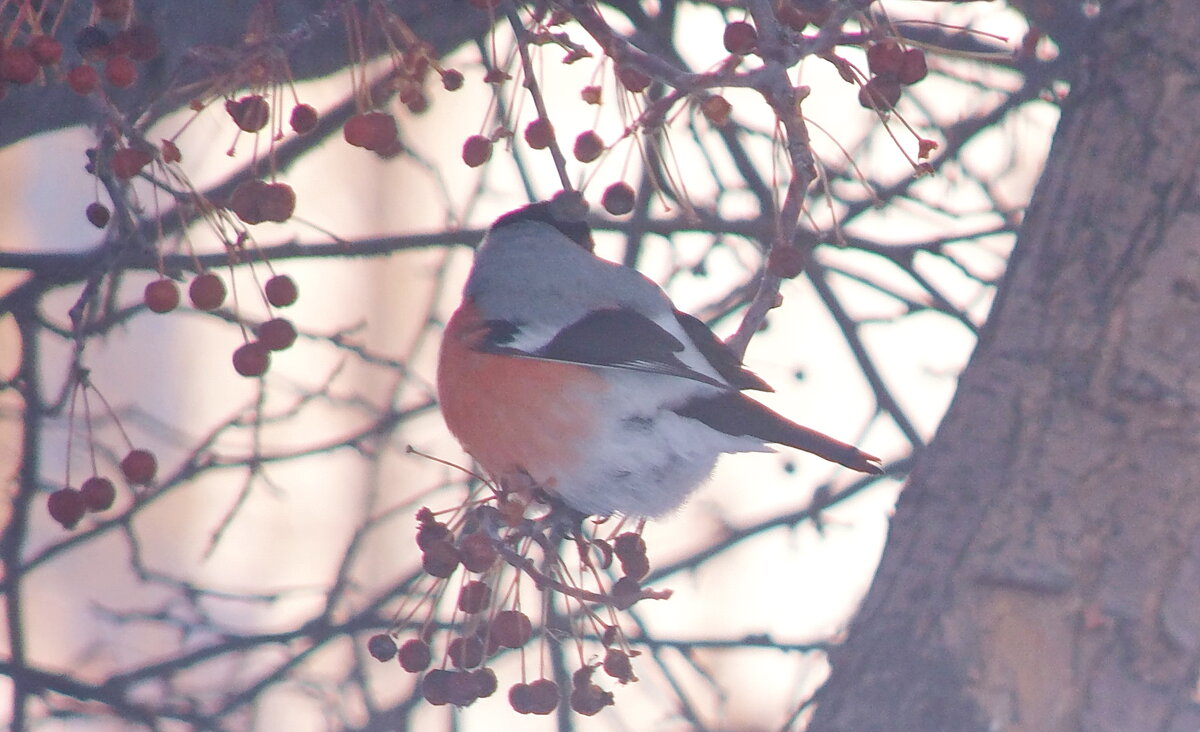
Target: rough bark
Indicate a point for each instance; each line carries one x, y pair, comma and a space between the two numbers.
1043, 567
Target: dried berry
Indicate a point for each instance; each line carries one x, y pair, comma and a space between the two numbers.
251, 113
474, 597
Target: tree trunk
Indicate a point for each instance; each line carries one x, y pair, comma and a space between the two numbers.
1043, 568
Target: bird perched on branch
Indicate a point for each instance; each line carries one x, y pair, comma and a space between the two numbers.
566, 372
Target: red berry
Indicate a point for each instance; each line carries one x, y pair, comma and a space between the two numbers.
440, 559
170, 152
588, 147
625, 592
250, 113
18, 65
632, 78
466, 652
251, 359
277, 334
510, 629
539, 134
716, 109
618, 199
83, 79
912, 66
414, 655
520, 699
452, 80
740, 38
881, 92
98, 493
589, 699
207, 291
591, 94
246, 201
381, 647
46, 50
474, 597
281, 291
485, 682
162, 295
92, 43
435, 687
66, 506
786, 261
97, 215
371, 130
113, 9
120, 71
617, 665
357, 131
139, 467
304, 118
885, 57
543, 696
432, 532
277, 202
477, 552
476, 150
129, 161
140, 41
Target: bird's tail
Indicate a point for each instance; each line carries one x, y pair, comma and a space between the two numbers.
736, 414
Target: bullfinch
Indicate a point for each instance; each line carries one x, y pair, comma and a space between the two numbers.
569, 373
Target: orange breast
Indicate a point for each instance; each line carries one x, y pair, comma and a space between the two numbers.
514, 414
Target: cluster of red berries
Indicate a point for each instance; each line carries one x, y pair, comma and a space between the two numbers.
207, 292
488, 541
108, 51
891, 66
68, 505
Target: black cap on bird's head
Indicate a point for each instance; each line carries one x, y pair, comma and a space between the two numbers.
565, 212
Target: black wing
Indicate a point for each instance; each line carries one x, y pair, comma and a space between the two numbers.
614, 338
